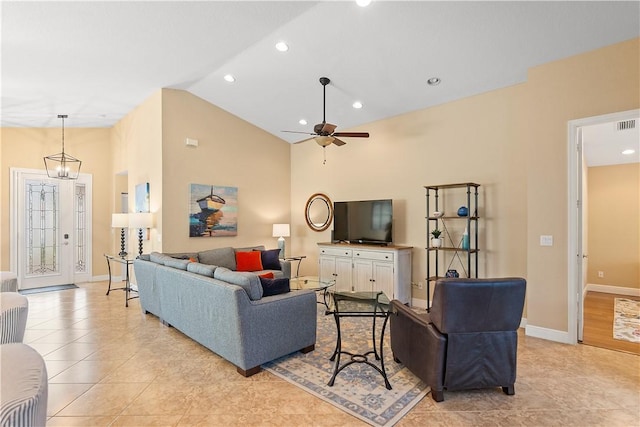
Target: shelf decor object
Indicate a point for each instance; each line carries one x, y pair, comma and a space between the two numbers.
459, 232
62, 165
121, 221
141, 221
281, 231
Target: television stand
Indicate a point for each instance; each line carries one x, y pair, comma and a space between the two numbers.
359, 267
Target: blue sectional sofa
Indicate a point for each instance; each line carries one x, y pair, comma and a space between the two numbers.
224, 310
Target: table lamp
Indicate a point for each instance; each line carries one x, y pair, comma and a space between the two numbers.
120, 220
141, 220
281, 231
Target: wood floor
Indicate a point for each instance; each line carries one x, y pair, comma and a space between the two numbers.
598, 323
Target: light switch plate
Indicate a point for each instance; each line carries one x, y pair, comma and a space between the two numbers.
546, 240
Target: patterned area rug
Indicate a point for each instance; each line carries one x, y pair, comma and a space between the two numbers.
359, 389
626, 320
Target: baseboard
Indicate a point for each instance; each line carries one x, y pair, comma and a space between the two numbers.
620, 290
547, 334
104, 278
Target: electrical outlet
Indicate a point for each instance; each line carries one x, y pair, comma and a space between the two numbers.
419, 285
601, 274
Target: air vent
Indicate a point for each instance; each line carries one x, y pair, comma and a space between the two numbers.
626, 124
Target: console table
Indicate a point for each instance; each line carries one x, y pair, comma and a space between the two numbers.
126, 262
360, 304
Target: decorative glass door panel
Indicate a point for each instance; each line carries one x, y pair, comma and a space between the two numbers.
50, 229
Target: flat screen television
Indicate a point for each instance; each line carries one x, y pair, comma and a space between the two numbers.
363, 221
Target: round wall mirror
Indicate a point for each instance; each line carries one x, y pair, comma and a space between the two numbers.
318, 212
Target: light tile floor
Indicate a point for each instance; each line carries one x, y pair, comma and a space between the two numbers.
113, 366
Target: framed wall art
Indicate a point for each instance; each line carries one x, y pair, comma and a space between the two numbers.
213, 211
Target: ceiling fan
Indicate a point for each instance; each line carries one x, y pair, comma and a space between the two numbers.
323, 133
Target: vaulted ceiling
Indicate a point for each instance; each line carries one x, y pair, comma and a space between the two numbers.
96, 61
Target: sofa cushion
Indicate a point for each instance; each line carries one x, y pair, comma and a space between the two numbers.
270, 259
250, 248
222, 257
274, 286
192, 256
158, 257
248, 261
180, 264
202, 269
248, 281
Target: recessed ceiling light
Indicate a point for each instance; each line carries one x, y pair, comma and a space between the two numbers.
282, 46
433, 81
302, 121
363, 3
357, 104
229, 78
628, 151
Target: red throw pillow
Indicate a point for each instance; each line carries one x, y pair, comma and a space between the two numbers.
248, 261
268, 275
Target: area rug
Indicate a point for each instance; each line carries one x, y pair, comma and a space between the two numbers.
47, 289
359, 389
626, 320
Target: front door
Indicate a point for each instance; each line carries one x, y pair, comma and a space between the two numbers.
50, 222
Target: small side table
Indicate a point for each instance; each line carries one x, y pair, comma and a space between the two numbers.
360, 304
126, 262
298, 258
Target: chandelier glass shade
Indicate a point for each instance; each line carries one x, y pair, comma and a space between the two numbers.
62, 165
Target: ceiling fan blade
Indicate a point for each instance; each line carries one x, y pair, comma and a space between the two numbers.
338, 142
327, 129
353, 134
295, 131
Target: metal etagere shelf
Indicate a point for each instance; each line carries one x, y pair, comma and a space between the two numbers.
466, 258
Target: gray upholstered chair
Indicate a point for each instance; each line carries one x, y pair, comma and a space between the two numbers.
8, 282
24, 387
468, 340
14, 309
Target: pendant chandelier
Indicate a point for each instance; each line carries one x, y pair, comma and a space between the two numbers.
62, 165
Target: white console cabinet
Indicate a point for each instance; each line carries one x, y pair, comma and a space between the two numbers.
367, 268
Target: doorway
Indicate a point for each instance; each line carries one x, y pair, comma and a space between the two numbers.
50, 222
578, 156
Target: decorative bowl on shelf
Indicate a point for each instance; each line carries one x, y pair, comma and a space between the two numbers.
437, 214
463, 211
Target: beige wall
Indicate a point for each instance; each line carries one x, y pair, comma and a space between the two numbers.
556, 93
231, 152
512, 141
614, 225
25, 148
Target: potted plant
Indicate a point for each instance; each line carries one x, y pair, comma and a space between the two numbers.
436, 241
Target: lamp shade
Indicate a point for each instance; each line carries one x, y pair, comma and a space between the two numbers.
281, 230
120, 220
141, 220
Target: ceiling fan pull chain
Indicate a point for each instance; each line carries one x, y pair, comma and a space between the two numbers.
324, 153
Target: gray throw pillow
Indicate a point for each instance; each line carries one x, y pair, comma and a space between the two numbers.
222, 257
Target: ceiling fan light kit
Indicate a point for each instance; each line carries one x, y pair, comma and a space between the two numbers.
323, 133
